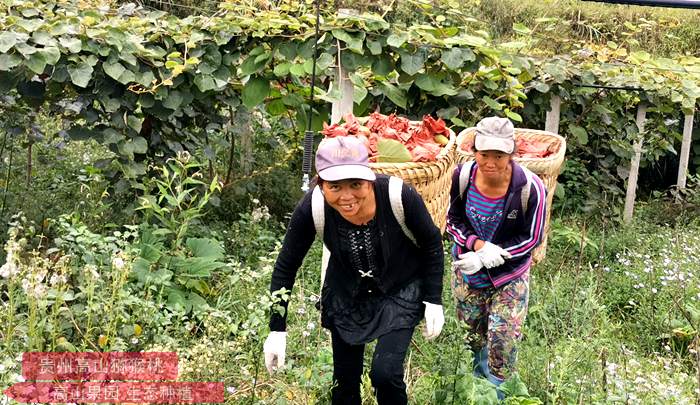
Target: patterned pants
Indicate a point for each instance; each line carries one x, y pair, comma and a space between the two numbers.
496, 316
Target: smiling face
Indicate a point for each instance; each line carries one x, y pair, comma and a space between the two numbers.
352, 198
493, 164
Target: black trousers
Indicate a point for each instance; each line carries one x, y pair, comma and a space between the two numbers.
386, 372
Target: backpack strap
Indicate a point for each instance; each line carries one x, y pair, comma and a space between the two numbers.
395, 189
525, 191
464, 174
318, 212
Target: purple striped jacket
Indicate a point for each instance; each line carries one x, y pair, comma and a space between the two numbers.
518, 233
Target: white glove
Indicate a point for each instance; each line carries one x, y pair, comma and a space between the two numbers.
492, 255
274, 348
468, 263
434, 319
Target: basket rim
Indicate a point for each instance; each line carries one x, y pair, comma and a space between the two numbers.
445, 153
559, 155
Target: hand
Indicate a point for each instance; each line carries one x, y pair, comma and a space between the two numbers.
468, 263
434, 320
274, 348
492, 255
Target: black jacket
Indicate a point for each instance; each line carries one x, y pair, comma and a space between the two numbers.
403, 261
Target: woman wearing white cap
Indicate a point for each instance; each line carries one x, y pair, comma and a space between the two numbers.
496, 218
379, 283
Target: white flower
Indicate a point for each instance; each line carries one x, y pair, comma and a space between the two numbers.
8, 270
118, 263
310, 326
231, 390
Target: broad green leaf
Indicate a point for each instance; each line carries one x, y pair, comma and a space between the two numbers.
382, 66
495, 105
276, 107
412, 63
396, 40
51, 54
395, 94
255, 91
74, 45
282, 69
134, 123
454, 58
205, 248
8, 39
198, 303
250, 66
521, 28
542, 87
297, 69
174, 100
353, 40
375, 47
178, 301
80, 74
324, 61
288, 50
639, 57
36, 63
448, 113
392, 151
205, 83
30, 25
580, 134
9, 60
430, 83
113, 70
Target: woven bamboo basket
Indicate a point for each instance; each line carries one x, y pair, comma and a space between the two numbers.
432, 180
546, 168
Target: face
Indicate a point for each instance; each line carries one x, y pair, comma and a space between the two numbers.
347, 196
492, 163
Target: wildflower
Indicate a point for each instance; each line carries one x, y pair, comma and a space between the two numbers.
305, 334
231, 390
310, 326
118, 263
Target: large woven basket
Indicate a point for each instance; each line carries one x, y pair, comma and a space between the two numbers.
432, 180
546, 168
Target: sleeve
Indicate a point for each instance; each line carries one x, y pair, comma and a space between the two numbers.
531, 235
429, 240
297, 242
458, 226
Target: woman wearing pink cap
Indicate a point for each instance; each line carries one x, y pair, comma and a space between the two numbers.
379, 283
496, 218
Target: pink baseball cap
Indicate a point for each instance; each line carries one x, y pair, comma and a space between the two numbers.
343, 157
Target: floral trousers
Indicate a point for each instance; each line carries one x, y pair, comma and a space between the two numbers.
495, 316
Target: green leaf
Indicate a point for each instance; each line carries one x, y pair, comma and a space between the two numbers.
542, 87
205, 248
392, 151
521, 28
205, 83
36, 63
255, 91
174, 100
51, 54
353, 40
495, 105
412, 63
375, 47
80, 74
134, 123
198, 303
395, 94
9, 60
253, 65
74, 45
383, 65
433, 85
396, 40
580, 134
297, 69
282, 69
276, 107
8, 39
113, 70
513, 115
454, 58
178, 301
